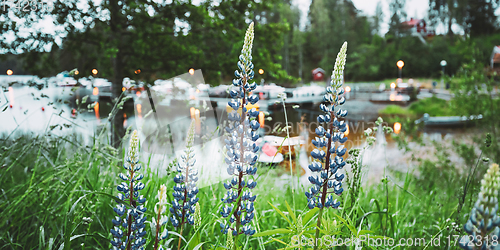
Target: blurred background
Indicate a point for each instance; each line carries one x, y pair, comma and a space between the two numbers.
77, 76
167, 38
415, 63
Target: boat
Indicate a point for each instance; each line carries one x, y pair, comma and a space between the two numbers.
63, 79
447, 121
275, 148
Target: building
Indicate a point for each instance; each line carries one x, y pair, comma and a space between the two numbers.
418, 28
318, 74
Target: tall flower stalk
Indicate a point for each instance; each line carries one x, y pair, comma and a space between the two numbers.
483, 224
241, 157
161, 219
329, 149
185, 191
130, 219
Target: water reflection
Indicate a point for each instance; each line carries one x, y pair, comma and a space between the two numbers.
262, 119
302, 121
139, 110
11, 97
96, 111
397, 127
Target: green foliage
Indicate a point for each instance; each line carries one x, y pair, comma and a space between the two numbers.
56, 191
144, 35
393, 110
474, 94
433, 106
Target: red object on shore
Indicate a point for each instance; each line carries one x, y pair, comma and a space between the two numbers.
43, 109
269, 150
73, 112
10, 106
318, 74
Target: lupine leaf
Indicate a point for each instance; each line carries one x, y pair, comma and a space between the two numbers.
280, 241
199, 246
76, 202
41, 239
351, 228
307, 217
363, 232
175, 233
281, 213
290, 211
194, 242
273, 231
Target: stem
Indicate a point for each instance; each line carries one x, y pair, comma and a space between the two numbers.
179, 244
289, 151
157, 229
132, 204
240, 175
318, 225
386, 205
183, 218
325, 184
460, 204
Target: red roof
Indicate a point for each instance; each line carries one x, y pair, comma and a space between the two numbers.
316, 70
412, 22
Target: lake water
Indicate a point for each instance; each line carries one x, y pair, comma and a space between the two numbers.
26, 109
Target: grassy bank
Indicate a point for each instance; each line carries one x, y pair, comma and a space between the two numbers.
57, 194
433, 106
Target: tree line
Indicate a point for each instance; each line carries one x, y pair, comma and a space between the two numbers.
166, 38
163, 39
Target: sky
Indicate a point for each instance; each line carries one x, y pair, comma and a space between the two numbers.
414, 8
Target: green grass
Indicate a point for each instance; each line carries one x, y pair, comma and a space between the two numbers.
433, 106
394, 110
49, 184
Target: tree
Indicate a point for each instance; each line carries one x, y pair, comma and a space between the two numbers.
476, 17
331, 23
378, 18
480, 18
118, 36
398, 15
445, 11
161, 39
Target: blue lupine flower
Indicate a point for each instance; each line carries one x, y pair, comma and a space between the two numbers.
240, 146
327, 157
185, 190
483, 224
133, 217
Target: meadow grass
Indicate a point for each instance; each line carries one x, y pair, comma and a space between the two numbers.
59, 194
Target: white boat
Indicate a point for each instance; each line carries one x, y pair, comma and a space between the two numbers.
271, 144
63, 79
270, 91
447, 121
